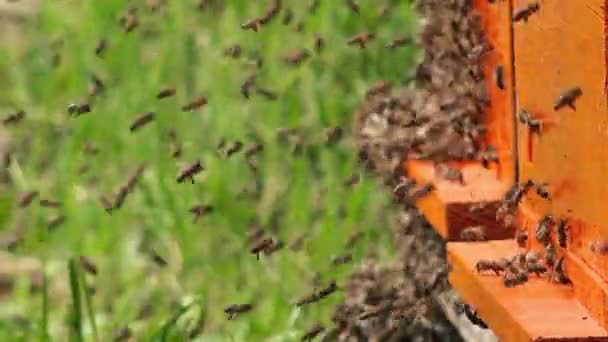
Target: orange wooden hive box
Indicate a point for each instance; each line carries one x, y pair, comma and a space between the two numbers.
561, 46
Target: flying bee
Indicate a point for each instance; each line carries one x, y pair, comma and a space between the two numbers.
106, 204
333, 135
200, 210
352, 180
499, 75
100, 47
195, 104
233, 51
316, 296
189, 171
353, 238
543, 229
298, 242
562, 232
130, 23
361, 39
288, 16
475, 233
164, 93
268, 94
297, 56
354, 6
55, 222
536, 268
260, 246
247, 85
525, 12
254, 149
79, 109
158, 259
313, 332
234, 148
342, 259
49, 203
521, 237
379, 87
312, 6
252, 24
141, 121
271, 12
122, 334
96, 87
274, 247
319, 43
398, 42
13, 118
489, 265
300, 26
233, 310
26, 198
568, 98
88, 265
550, 254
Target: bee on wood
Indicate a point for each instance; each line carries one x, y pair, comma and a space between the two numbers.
473, 317
550, 254
195, 104
313, 332
521, 237
13, 118
361, 39
252, 24
55, 222
260, 246
568, 98
141, 121
297, 56
559, 273
542, 192
333, 135
158, 259
379, 87
165, 93
88, 265
26, 198
422, 191
135, 177
524, 13
354, 6
398, 42
233, 310
189, 171
536, 268
543, 229
78, 109
270, 95
518, 260
499, 75
342, 259
562, 233
534, 124
512, 279
247, 85
287, 16
100, 47
448, 173
488, 156
319, 43
200, 210
234, 148
489, 265
476, 233
49, 203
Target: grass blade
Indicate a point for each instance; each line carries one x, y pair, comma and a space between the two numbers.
89, 304
163, 334
76, 313
44, 324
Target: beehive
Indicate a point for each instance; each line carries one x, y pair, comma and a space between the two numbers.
562, 45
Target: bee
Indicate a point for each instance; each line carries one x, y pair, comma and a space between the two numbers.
542, 192
271, 12
352, 180
525, 12
550, 254
13, 118
518, 260
90, 148
379, 87
26, 198
100, 47
234, 148
300, 26
78, 109
319, 43
288, 16
521, 237
473, 317
274, 247
141, 121
534, 124
489, 265
298, 243
96, 86
354, 6
260, 246
247, 85
135, 177
476, 233
562, 232
316, 296
333, 135
297, 56
398, 42
567, 98
601, 247
55, 222
375, 311
200, 210
233, 51
88, 265
422, 191
195, 104
361, 39
49, 203
312, 6
402, 189
342, 259
543, 229
252, 24
353, 238
130, 23
499, 75
270, 95
164, 93
449, 173
514, 279
122, 334
106, 204
158, 259
559, 273
234, 309
536, 268
313, 332
189, 171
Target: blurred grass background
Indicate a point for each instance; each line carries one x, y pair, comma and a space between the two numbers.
50, 65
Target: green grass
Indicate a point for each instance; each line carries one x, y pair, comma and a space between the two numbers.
208, 262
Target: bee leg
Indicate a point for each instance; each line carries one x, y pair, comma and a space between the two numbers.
572, 106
